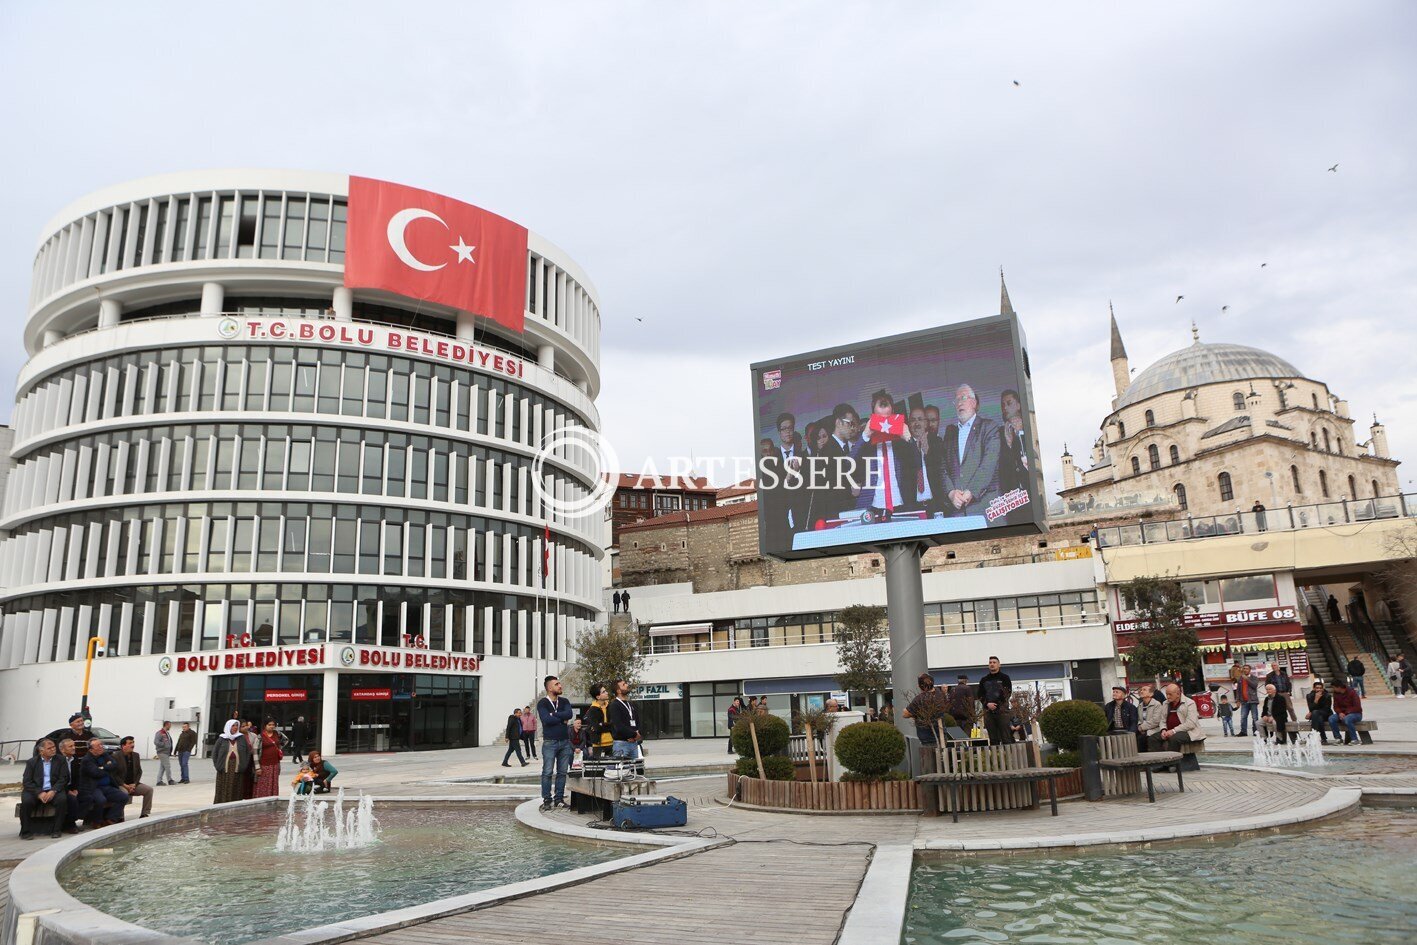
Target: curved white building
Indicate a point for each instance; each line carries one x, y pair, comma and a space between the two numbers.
269, 492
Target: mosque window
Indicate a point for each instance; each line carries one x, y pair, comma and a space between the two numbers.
1121, 430
1175, 455
1323, 483
1150, 419
1180, 491
1328, 444
1238, 399
1314, 394
1352, 488
1136, 466
1153, 456
1313, 439
1375, 488
1294, 474
1227, 491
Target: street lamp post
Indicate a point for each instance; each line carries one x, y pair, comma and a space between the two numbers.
94, 643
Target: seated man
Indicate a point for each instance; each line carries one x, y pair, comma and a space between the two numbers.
317, 779
75, 808
1348, 709
1320, 709
46, 781
1151, 717
99, 785
130, 774
1121, 714
1182, 725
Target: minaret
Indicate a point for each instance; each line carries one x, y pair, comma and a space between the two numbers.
1070, 475
1121, 373
1005, 306
1378, 442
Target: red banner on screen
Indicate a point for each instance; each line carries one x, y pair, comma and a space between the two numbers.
286, 695
370, 695
430, 247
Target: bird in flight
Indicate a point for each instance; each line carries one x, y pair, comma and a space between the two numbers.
638, 319
1179, 298
1224, 309
1015, 82
1262, 265
1334, 169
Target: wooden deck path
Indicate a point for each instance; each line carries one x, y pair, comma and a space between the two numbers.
697, 899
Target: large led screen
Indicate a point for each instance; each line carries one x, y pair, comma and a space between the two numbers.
927, 436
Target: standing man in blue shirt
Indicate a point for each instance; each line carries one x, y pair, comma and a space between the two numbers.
46, 781
555, 712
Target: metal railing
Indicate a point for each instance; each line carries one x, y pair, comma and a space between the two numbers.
666, 644
1289, 518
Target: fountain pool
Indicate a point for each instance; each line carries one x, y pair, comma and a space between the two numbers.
227, 883
1348, 880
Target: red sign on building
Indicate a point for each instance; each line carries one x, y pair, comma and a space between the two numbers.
371, 695
1225, 618
286, 695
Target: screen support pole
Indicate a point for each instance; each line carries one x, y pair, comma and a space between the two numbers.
905, 611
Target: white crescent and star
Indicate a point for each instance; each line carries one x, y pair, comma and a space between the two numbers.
398, 225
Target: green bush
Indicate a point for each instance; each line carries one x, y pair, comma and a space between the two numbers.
1063, 723
779, 768
870, 748
772, 735
888, 776
1066, 758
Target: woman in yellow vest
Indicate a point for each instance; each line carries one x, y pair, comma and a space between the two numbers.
598, 739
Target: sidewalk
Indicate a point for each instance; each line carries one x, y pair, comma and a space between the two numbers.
1396, 718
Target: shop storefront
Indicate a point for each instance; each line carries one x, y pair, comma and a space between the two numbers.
1264, 638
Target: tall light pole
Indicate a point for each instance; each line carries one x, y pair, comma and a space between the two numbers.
94, 642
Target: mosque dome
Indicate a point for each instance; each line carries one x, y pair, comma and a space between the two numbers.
1205, 364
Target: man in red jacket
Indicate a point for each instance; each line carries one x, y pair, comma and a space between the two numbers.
1348, 709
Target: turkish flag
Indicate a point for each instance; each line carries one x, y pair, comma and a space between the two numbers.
430, 247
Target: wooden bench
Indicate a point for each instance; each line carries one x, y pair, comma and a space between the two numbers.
1122, 766
984, 778
43, 812
1364, 729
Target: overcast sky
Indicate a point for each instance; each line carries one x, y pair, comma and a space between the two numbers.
754, 180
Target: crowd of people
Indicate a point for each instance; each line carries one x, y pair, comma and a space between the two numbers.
247, 759
893, 463
606, 728
1266, 706
1163, 724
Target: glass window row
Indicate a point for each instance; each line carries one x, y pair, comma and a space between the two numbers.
188, 618
295, 537
276, 457
1033, 612
280, 379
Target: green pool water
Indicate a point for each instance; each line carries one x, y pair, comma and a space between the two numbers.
1352, 880
226, 883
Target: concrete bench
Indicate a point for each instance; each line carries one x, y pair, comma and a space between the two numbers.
1363, 728
985, 778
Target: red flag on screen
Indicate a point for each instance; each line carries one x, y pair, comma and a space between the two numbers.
546, 556
430, 247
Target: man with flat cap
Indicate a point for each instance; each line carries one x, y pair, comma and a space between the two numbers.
1121, 714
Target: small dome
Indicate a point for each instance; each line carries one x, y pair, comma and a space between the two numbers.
1205, 364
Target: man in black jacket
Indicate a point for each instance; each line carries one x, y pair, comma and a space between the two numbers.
75, 808
624, 727
1320, 709
99, 786
130, 774
995, 688
1121, 714
555, 712
514, 738
299, 738
45, 781
1356, 669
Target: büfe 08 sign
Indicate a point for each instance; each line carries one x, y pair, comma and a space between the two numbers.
927, 436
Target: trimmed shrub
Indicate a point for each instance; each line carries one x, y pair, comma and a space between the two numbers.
1063, 723
870, 748
772, 735
1066, 758
888, 776
779, 767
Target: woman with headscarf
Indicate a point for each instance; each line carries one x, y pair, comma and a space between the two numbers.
268, 771
232, 758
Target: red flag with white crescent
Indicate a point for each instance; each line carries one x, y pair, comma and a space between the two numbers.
546, 556
437, 249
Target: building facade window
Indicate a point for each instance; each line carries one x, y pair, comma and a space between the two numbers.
1294, 475
1175, 455
1153, 456
1328, 446
1238, 399
1375, 488
1136, 466
1180, 492
1352, 488
1150, 419
1323, 483
1227, 491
